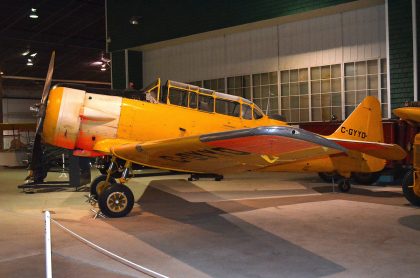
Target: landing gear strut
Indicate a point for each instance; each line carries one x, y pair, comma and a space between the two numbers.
343, 181
114, 199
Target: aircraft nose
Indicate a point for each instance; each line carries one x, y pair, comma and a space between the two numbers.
51, 115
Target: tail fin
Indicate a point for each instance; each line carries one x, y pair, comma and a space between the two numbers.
363, 124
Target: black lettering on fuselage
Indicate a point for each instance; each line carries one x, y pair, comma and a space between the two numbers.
353, 132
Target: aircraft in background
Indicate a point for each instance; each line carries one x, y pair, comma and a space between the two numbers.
411, 181
185, 128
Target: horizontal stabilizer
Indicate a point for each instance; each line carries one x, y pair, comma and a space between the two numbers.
376, 149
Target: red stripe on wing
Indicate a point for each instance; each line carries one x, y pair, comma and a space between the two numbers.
361, 146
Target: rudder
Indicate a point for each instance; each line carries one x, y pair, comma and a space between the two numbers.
363, 124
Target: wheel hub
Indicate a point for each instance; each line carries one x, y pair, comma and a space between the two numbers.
117, 201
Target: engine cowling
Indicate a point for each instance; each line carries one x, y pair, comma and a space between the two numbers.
62, 121
76, 119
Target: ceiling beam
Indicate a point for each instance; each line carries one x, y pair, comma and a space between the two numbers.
56, 80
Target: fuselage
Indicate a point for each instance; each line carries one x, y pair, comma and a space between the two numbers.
76, 119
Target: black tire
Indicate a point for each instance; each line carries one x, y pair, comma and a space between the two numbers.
328, 176
407, 187
99, 181
116, 201
344, 185
366, 178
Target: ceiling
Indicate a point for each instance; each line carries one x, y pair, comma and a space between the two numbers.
75, 29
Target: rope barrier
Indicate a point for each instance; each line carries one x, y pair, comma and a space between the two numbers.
135, 266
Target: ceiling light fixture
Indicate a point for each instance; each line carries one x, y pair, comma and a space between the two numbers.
30, 63
33, 54
26, 52
97, 63
1, 73
33, 13
134, 20
104, 62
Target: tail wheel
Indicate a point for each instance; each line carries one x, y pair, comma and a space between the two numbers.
99, 184
344, 185
366, 178
116, 201
329, 176
407, 187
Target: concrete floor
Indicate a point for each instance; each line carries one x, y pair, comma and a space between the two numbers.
250, 225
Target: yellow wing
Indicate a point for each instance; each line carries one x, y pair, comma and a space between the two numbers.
226, 152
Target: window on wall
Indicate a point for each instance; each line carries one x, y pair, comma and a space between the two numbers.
239, 86
215, 84
321, 93
294, 95
361, 80
265, 91
326, 93
196, 83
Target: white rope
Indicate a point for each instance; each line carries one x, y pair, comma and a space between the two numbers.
112, 255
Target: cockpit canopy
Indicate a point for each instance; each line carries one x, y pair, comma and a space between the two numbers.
205, 100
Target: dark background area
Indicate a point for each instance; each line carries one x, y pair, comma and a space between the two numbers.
75, 29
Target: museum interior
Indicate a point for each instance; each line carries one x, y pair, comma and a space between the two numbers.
209, 138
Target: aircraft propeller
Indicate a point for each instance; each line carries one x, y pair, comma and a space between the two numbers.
41, 110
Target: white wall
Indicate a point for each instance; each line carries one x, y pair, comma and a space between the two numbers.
17, 110
350, 36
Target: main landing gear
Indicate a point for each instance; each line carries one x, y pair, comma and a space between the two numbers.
344, 185
114, 198
342, 180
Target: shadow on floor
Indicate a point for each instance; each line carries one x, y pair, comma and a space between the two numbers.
217, 243
411, 221
360, 191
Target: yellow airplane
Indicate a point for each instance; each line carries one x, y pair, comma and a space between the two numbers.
411, 181
186, 128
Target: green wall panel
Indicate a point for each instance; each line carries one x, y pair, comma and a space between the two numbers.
164, 19
418, 45
400, 51
135, 68
118, 70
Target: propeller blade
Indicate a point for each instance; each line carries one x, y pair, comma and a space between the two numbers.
45, 93
35, 163
48, 79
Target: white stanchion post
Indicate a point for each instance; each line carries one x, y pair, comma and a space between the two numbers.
48, 266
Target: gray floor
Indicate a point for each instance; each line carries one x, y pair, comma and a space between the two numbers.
250, 225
